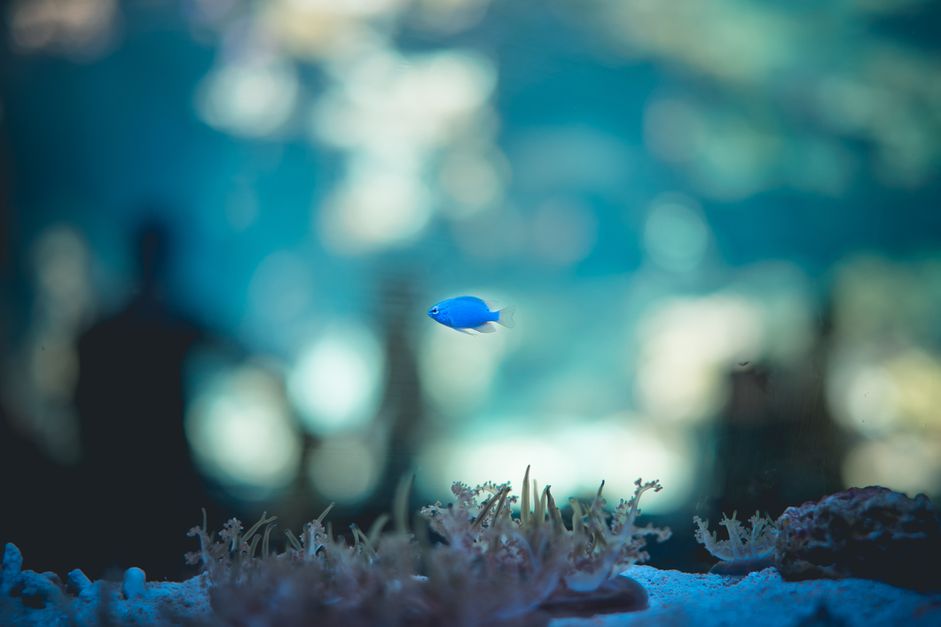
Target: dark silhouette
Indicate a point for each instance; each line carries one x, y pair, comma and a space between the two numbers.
396, 428
401, 416
401, 411
751, 446
776, 442
140, 490
32, 489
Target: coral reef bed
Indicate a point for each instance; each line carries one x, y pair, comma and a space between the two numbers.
675, 598
490, 567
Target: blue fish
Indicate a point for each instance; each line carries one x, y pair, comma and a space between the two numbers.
469, 312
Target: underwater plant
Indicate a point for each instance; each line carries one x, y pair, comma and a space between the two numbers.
744, 551
487, 566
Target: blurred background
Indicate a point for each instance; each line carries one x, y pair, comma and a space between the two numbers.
222, 223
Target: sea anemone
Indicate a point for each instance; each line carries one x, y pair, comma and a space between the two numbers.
744, 551
486, 566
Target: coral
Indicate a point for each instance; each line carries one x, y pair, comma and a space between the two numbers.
42, 599
77, 581
676, 598
134, 584
12, 565
490, 568
870, 532
756, 542
745, 550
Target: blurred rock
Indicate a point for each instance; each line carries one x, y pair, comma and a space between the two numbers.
873, 533
617, 595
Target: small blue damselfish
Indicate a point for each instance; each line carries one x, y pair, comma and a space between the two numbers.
465, 313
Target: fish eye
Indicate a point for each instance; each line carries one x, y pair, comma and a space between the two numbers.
434, 310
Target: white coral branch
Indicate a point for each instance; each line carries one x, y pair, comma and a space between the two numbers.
757, 542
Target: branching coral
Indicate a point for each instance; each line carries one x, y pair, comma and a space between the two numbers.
744, 550
491, 568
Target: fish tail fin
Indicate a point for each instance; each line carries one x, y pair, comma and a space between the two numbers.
506, 317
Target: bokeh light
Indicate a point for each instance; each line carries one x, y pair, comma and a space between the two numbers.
622, 448
62, 263
344, 470
82, 29
774, 59
448, 16
390, 113
685, 349
866, 397
907, 463
884, 382
458, 369
675, 234
39, 379
240, 428
891, 400
376, 207
472, 179
251, 98
335, 382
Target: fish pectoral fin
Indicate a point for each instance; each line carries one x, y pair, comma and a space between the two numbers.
485, 328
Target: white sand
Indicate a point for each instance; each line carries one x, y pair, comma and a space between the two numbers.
763, 598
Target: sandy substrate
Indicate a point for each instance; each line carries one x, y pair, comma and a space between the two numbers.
676, 598
763, 598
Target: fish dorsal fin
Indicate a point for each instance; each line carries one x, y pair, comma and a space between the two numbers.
492, 305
